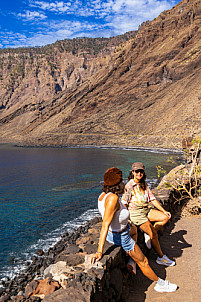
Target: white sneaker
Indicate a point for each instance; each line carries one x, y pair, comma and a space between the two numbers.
131, 266
165, 287
147, 240
165, 261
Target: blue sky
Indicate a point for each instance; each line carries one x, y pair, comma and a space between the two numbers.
36, 23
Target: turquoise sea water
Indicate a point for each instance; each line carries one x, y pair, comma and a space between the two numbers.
47, 191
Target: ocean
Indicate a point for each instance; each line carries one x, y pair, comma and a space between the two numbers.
45, 192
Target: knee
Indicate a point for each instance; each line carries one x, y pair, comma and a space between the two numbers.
144, 263
165, 219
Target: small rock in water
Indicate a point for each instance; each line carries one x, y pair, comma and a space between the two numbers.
5, 279
12, 260
34, 258
40, 252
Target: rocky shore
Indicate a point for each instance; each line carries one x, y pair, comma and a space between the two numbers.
129, 147
15, 289
64, 273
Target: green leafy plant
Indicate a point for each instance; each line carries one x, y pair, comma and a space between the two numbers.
188, 178
160, 170
167, 185
171, 160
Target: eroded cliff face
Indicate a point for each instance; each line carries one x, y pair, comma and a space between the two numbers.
146, 92
31, 76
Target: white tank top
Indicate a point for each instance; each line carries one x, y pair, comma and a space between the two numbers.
120, 219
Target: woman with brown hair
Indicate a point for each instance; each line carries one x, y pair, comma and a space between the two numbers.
116, 229
136, 198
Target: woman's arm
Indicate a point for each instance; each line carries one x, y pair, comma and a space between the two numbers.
155, 202
160, 208
133, 230
125, 199
111, 206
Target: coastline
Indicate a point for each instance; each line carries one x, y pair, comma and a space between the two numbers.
36, 244
135, 148
48, 242
40, 260
44, 259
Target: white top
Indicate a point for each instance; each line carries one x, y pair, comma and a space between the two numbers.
120, 219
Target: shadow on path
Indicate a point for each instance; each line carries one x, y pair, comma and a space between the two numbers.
173, 245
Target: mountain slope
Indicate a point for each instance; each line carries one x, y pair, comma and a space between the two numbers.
147, 92
34, 75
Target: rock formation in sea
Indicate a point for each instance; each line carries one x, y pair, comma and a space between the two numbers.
143, 91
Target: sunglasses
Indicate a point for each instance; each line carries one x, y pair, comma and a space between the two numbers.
139, 171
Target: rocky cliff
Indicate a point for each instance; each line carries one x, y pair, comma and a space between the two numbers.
146, 92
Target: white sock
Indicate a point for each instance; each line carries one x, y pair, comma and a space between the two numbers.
160, 282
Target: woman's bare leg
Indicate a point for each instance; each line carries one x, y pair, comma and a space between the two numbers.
159, 219
133, 232
142, 262
148, 228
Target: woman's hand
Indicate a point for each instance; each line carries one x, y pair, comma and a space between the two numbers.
168, 214
96, 257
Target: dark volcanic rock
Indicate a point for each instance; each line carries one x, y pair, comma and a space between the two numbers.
72, 249
68, 295
90, 248
71, 260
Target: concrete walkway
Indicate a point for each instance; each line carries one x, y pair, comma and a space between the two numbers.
181, 241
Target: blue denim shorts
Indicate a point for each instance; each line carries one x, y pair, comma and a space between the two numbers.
122, 239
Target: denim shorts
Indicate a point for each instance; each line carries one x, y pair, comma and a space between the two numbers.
122, 239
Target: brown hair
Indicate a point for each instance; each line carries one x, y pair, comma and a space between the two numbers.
116, 189
142, 183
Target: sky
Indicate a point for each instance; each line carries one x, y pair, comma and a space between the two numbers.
25, 23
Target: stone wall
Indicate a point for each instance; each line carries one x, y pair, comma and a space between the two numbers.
106, 280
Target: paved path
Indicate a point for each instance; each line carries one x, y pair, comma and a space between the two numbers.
181, 242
